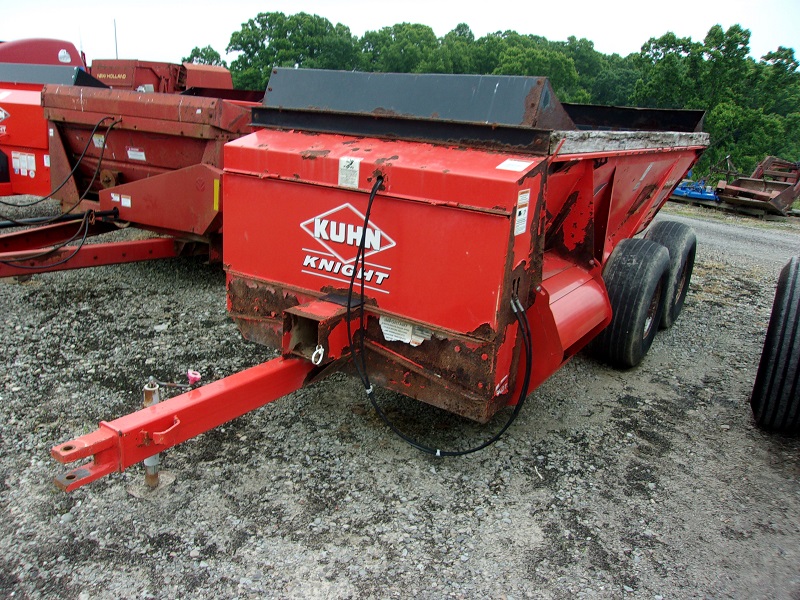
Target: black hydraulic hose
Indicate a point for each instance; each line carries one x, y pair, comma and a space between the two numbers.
71, 173
97, 168
87, 216
113, 213
362, 370
84, 227
360, 363
524, 325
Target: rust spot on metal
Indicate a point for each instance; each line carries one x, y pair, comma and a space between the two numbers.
644, 196
314, 154
258, 309
443, 362
385, 112
448, 391
380, 161
543, 110
557, 222
562, 167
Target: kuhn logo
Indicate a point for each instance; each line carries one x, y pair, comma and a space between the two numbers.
3, 115
340, 232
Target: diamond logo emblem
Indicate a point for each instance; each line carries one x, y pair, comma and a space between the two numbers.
340, 231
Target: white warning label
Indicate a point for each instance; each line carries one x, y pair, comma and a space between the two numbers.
23, 163
512, 164
521, 222
395, 330
349, 170
136, 154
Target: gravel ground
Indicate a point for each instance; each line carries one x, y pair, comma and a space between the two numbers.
650, 483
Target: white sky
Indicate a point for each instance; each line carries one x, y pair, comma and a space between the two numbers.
168, 30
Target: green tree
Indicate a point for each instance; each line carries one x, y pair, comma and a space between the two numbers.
205, 56
745, 134
726, 58
455, 52
615, 84
541, 61
589, 63
488, 50
401, 48
778, 82
275, 40
670, 73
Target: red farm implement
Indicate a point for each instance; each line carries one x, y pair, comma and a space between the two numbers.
25, 66
166, 78
772, 188
453, 238
153, 161
24, 140
41, 51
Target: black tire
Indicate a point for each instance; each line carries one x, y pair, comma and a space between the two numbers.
636, 280
681, 243
776, 394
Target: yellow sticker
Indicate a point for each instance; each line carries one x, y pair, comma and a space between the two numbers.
216, 195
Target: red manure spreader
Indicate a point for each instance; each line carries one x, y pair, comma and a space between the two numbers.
454, 238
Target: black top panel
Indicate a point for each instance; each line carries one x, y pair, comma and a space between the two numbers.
225, 94
479, 99
502, 112
618, 118
25, 73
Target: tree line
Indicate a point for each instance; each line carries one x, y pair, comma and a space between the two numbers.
752, 106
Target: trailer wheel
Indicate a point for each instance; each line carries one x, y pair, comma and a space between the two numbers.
681, 243
776, 394
636, 277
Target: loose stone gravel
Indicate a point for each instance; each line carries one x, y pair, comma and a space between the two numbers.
650, 483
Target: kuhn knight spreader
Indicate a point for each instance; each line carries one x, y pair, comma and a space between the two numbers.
454, 238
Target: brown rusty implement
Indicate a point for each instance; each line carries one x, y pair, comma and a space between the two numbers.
773, 187
159, 164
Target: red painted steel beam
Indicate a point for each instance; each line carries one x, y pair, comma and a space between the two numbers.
128, 440
88, 255
43, 236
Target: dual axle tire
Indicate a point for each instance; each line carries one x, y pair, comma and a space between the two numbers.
636, 277
776, 394
681, 243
